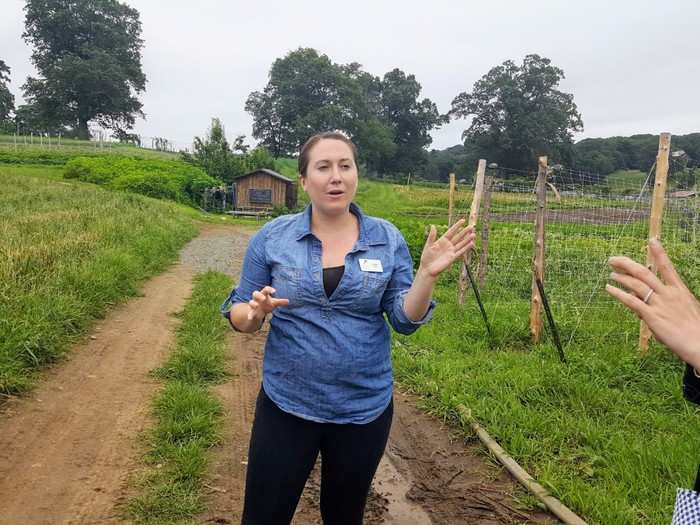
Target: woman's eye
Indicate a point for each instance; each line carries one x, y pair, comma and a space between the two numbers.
323, 167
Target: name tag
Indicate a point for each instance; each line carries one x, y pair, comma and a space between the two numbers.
371, 265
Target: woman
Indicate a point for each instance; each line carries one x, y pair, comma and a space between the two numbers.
328, 276
668, 308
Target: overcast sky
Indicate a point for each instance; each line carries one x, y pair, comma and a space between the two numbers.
632, 65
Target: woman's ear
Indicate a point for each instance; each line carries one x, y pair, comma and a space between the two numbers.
302, 181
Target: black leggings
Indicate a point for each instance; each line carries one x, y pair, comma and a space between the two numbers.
283, 450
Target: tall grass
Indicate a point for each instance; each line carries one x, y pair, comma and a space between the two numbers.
70, 251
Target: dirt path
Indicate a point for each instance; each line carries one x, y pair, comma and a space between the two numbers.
68, 450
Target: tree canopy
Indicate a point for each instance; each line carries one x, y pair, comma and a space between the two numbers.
638, 152
518, 113
88, 55
308, 93
7, 99
224, 161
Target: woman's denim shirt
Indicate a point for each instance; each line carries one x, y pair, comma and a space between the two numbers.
328, 359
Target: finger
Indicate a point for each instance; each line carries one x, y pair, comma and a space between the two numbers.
461, 234
663, 264
464, 249
636, 286
432, 235
260, 297
453, 229
630, 267
253, 307
467, 239
632, 302
469, 236
279, 302
268, 290
253, 304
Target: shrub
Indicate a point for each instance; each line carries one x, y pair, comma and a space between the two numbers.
162, 179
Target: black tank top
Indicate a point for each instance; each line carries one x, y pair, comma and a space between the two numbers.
331, 278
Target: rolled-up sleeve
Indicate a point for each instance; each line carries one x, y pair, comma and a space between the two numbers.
395, 293
255, 274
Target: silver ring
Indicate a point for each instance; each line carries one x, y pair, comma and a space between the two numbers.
648, 296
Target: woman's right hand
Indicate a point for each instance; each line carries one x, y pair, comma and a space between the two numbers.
262, 303
669, 308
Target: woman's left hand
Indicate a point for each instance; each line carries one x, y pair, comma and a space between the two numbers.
439, 254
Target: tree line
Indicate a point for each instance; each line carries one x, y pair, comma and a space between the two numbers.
599, 156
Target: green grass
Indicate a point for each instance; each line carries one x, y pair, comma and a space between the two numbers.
188, 417
69, 252
609, 433
37, 153
287, 167
629, 181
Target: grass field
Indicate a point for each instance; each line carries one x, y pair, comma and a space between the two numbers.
609, 433
70, 251
55, 154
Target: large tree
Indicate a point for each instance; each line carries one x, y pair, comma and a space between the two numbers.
410, 119
7, 100
305, 93
88, 55
308, 93
518, 113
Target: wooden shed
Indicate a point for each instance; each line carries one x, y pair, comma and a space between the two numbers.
264, 189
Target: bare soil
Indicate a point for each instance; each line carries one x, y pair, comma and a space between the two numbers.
68, 451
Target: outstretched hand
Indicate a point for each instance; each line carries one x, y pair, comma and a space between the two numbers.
262, 303
439, 254
668, 308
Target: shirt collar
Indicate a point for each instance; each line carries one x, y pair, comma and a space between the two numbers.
367, 231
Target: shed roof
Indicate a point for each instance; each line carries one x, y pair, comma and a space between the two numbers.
266, 171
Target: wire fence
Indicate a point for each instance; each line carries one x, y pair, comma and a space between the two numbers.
99, 140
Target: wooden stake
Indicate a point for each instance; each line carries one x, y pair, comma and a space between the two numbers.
450, 209
473, 217
657, 212
538, 257
485, 231
478, 192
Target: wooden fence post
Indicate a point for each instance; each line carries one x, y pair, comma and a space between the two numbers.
485, 229
473, 217
451, 205
655, 219
538, 257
